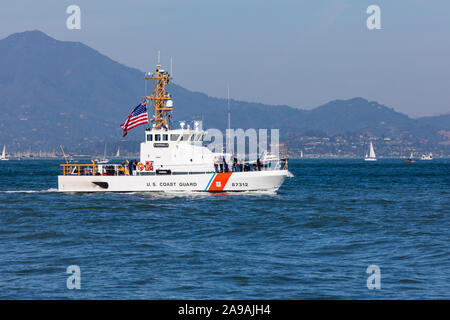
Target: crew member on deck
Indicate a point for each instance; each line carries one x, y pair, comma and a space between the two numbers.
122, 169
258, 164
235, 164
225, 165
216, 166
130, 167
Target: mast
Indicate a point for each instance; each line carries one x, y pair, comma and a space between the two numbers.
146, 77
162, 102
229, 118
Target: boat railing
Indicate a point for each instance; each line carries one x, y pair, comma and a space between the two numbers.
72, 169
244, 166
93, 169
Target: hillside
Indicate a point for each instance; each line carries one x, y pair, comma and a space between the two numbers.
57, 92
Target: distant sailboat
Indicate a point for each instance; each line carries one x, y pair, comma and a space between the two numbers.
371, 156
301, 153
118, 153
410, 159
3, 157
104, 159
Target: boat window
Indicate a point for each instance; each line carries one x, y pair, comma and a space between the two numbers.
157, 137
149, 137
165, 137
192, 137
185, 137
174, 137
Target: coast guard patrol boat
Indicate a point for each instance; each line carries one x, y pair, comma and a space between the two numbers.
175, 159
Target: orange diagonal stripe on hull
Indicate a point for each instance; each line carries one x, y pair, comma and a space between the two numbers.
220, 181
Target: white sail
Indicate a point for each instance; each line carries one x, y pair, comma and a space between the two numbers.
371, 151
118, 153
3, 157
371, 156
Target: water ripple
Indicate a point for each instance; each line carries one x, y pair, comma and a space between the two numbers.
314, 239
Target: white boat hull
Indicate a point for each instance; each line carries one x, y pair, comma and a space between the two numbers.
204, 182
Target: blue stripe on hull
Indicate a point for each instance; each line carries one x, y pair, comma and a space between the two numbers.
212, 178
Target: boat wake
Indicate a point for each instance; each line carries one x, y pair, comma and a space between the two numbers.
157, 194
51, 190
165, 194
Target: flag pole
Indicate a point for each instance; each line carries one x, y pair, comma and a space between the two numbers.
145, 97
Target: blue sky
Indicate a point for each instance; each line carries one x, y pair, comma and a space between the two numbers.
299, 53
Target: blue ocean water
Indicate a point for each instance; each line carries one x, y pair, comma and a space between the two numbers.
314, 239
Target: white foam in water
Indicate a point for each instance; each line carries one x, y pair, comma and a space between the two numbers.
31, 191
164, 194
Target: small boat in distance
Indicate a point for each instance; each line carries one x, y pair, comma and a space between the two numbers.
371, 155
118, 153
104, 159
3, 156
427, 156
410, 159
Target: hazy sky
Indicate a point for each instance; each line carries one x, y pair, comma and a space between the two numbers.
299, 53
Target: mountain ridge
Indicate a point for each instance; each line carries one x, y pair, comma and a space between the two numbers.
62, 92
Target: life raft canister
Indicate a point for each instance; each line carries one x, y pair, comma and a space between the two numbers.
140, 166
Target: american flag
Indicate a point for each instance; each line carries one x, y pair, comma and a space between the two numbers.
137, 117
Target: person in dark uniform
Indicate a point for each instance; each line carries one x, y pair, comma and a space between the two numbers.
216, 164
130, 167
225, 165
258, 164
